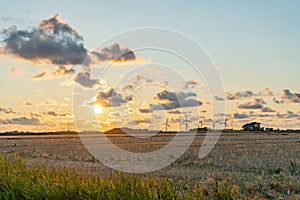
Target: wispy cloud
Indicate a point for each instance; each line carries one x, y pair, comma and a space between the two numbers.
254, 104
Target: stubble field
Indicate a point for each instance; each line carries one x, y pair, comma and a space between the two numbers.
254, 165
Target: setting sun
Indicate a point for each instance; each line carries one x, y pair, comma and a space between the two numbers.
98, 109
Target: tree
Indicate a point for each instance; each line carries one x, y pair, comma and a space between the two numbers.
253, 126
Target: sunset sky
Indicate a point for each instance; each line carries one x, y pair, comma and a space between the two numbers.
49, 53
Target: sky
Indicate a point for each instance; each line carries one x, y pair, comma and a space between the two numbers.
54, 54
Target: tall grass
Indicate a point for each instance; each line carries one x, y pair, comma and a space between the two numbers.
21, 181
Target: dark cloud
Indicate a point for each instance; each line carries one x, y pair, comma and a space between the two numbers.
55, 41
84, 79
145, 110
177, 112
54, 114
278, 101
267, 109
113, 52
21, 121
40, 75
254, 104
291, 114
230, 96
110, 98
240, 116
7, 110
239, 95
219, 98
248, 94
290, 96
172, 100
62, 71
287, 115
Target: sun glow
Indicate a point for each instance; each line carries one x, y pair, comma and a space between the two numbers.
98, 109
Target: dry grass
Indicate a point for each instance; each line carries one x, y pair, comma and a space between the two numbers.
252, 165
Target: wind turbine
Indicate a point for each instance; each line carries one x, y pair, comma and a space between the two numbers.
166, 124
186, 121
180, 122
225, 124
200, 122
214, 123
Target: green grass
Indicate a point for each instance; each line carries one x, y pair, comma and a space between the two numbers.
19, 180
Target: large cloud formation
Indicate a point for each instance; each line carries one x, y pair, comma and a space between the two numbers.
55, 41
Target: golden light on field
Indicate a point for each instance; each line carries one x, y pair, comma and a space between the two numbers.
98, 109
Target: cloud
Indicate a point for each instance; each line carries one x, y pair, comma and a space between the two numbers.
28, 103
230, 96
248, 94
172, 100
190, 84
54, 114
240, 116
290, 96
52, 42
278, 101
114, 52
110, 98
50, 102
84, 79
239, 95
134, 82
16, 72
7, 110
219, 98
288, 115
40, 75
21, 120
55, 41
140, 121
145, 110
62, 71
254, 104
267, 109
177, 112
266, 92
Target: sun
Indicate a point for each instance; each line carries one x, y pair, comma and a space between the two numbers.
98, 109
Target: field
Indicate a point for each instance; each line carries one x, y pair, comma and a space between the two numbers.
242, 164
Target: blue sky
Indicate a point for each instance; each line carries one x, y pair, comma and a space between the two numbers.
255, 44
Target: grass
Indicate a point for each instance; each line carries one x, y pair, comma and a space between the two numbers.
19, 180
241, 166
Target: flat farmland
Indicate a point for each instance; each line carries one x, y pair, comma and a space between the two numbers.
262, 165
